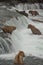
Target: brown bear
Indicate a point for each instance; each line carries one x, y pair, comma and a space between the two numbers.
35, 13
8, 29
34, 29
19, 58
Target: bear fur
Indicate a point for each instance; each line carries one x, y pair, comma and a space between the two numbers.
34, 13
34, 29
19, 58
8, 29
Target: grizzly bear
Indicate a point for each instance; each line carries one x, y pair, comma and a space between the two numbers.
8, 29
35, 13
19, 58
34, 29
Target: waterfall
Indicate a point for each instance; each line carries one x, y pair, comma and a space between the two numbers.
5, 46
20, 23
25, 41
27, 6
22, 38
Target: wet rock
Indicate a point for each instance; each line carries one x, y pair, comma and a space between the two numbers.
37, 20
23, 13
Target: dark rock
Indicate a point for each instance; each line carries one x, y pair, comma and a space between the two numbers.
23, 13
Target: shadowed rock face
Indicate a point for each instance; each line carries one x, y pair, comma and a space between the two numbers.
34, 29
23, 13
35, 13
29, 60
8, 29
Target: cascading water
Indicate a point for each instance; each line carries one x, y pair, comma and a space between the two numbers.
22, 38
20, 23
28, 6
5, 46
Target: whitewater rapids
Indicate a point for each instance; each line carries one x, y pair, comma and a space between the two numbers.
22, 38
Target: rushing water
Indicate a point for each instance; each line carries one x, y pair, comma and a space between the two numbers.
22, 38
28, 6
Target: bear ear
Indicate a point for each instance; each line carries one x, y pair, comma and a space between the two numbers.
29, 25
30, 11
21, 52
14, 27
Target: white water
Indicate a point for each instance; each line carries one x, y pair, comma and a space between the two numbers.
23, 39
5, 45
28, 6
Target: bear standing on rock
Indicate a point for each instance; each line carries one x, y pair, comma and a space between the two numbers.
35, 13
34, 29
19, 58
